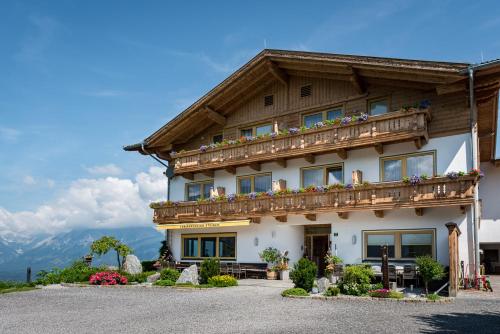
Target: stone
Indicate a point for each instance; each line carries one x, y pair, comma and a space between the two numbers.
323, 284
132, 265
189, 275
153, 278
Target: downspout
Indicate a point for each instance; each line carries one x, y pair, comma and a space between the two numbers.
475, 165
143, 148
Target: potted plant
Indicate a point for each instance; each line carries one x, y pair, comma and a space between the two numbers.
271, 256
331, 261
283, 266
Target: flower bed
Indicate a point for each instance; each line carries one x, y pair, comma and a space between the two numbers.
108, 278
385, 293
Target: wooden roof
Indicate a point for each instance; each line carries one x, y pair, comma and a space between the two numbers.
272, 65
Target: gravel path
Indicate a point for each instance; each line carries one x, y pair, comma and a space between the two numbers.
243, 309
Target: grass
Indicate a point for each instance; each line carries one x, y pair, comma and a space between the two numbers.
7, 287
191, 285
433, 297
294, 292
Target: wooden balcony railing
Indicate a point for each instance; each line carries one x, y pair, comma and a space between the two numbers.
377, 130
377, 197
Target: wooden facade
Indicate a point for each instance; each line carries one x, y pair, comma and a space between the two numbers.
377, 197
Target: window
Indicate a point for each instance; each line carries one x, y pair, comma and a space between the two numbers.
322, 175
268, 100
305, 90
401, 244
217, 139
378, 107
258, 130
254, 183
198, 190
395, 168
311, 119
221, 245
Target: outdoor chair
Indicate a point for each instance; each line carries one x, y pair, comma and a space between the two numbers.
410, 273
239, 271
393, 275
224, 268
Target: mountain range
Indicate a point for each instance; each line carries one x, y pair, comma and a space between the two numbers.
45, 252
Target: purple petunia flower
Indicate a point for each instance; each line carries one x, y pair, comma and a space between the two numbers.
252, 195
203, 148
231, 198
270, 193
363, 117
346, 120
348, 186
319, 124
293, 131
274, 134
414, 180
424, 104
452, 175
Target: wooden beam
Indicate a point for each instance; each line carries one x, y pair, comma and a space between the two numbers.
379, 148
463, 209
230, 169
418, 143
357, 81
343, 215
255, 166
208, 173
215, 116
255, 220
342, 153
278, 73
451, 88
281, 219
309, 158
419, 212
379, 213
310, 216
188, 176
281, 162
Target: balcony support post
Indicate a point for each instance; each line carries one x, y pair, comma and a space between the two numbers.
379, 213
343, 215
379, 148
310, 216
281, 162
342, 153
230, 169
188, 176
208, 173
281, 219
419, 212
255, 166
309, 158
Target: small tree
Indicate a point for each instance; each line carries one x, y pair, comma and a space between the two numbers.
303, 274
429, 269
107, 243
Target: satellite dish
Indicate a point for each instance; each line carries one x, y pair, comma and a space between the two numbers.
170, 171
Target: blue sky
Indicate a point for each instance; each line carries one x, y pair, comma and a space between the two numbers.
80, 79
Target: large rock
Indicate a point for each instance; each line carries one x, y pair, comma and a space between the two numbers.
323, 284
132, 265
189, 275
153, 278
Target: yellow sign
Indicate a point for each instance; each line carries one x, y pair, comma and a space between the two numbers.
245, 222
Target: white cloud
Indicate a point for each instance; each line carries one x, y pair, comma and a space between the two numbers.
9, 134
29, 180
109, 169
108, 202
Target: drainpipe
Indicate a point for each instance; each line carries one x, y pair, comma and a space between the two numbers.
475, 164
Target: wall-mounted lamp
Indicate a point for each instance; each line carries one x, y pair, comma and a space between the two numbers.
255, 241
354, 239
273, 234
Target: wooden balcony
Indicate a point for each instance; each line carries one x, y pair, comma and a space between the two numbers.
377, 197
376, 131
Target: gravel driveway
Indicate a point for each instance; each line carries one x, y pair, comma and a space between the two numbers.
244, 309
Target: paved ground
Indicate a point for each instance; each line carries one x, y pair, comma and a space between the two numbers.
253, 307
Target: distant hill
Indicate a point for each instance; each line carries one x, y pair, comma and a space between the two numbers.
46, 252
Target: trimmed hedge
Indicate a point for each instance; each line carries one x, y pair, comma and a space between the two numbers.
169, 274
303, 274
332, 291
222, 281
164, 282
294, 292
209, 268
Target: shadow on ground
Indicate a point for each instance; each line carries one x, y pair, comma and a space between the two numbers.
484, 322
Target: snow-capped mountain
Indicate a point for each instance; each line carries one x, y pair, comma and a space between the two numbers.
46, 252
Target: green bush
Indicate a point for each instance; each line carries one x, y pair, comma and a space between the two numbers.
303, 274
294, 292
429, 270
148, 265
433, 297
139, 278
78, 271
222, 281
169, 274
332, 291
209, 268
385, 293
164, 282
9, 286
356, 280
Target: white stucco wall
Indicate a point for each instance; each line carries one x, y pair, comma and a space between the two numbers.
489, 193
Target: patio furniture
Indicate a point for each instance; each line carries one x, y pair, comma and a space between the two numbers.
255, 270
338, 271
409, 273
377, 271
224, 268
239, 271
393, 275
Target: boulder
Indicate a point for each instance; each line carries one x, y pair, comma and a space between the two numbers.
153, 278
323, 284
189, 275
132, 265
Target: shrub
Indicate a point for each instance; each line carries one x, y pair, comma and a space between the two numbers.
139, 278
164, 282
429, 269
385, 293
108, 278
433, 297
222, 281
169, 274
303, 274
270, 255
148, 265
10, 286
356, 280
332, 291
209, 268
78, 271
294, 292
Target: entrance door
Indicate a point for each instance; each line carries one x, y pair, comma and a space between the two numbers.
319, 250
